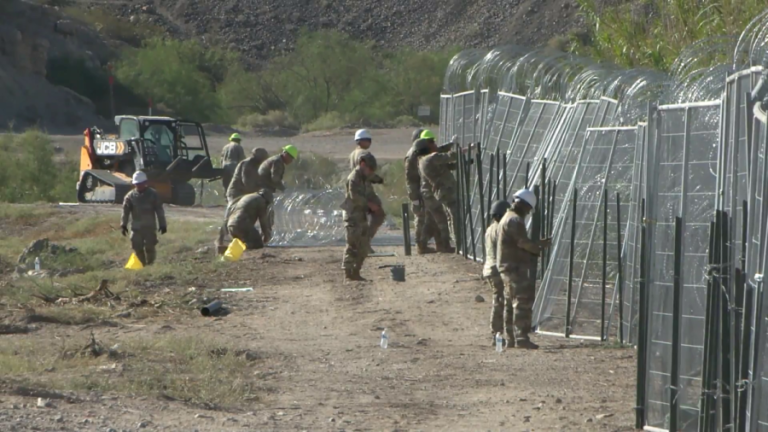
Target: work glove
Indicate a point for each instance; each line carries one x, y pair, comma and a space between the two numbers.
124, 229
163, 230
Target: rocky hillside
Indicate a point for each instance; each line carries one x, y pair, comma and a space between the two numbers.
261, 29
30, 37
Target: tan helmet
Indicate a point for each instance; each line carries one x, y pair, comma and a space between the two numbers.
369, 159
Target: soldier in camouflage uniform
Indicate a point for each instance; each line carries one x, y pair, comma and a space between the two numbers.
356, 207
426, 227
271, 174
514, 260
246, 180
438, 189
246, 211
141, 206
363, 140
500, 309
231, 155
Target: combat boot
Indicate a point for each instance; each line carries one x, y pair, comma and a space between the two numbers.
422, 249
356, 275
446, 249
526, 344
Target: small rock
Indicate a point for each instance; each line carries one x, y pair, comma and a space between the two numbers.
558, 400
43, 403
331, 420
603, 416
479, 298
142, 425
59, 419
421, 341
202, 416
111, 430
589, 420
203, 250
526, 419
86, 421
126, 314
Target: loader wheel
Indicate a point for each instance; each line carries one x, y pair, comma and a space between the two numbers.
183, 194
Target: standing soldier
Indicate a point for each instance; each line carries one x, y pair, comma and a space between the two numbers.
231, 155
246, 211
356, 207
271, 174
246, 180
501, 313
364, 140
513, 253
141, 206
426, 227
438, 187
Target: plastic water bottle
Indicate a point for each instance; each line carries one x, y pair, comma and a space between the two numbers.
37, 264
499, 343
384, 339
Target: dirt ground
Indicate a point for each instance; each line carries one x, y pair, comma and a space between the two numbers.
318, 365
388, 144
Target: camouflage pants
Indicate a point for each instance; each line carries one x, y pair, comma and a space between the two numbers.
451, 212
143, 243
426, 227
519, 290
248, 235
436, 211
502, 313
223, 230
376, 219
358, 244
227, 174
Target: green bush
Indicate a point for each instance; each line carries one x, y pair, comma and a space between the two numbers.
272, 119
652, 33
29, 172
182, 75
327, 121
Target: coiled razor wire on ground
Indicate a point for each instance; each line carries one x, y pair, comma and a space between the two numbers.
306, 218
679, 144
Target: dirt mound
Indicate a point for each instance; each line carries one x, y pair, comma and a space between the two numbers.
263, 29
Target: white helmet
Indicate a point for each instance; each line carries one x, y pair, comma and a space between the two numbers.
527, 196
362, 134
139, 177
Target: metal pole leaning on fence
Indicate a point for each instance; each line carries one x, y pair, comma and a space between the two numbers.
642, 341
498, 173
461, 209
738, 315
468, 206
406, 230
480, 185
706, 401
605, 265
726, 379
677, 311
527, 174
620, 280
551, 212
504, 173
490, 189
570, 267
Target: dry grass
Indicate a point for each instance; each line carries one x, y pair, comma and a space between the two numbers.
197, 370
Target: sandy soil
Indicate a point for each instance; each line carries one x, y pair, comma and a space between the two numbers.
322, 369
388, 144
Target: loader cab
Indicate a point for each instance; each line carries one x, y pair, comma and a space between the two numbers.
160, 136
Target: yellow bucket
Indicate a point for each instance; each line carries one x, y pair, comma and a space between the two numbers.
134, 263
234, 251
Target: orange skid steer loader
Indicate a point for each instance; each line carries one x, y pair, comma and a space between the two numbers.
171, 152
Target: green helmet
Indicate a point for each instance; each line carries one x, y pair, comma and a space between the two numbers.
235, 137
291, 150
427, 134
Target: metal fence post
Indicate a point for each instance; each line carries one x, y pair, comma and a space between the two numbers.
642, 338
478, 161
620, 279
570, 267
605, 264
406, 230
674, 376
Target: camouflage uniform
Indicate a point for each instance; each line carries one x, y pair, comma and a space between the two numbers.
501, 309
231, 155
438, 188
426, 227
355, 206
377, 218
515, 253
271, 173
142, 208
245, 212
246, 180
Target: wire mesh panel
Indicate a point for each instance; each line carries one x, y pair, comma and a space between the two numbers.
607, 162
446, 115
758, 404
522, 154
566, 158
631, 261
606, 110
685, 184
